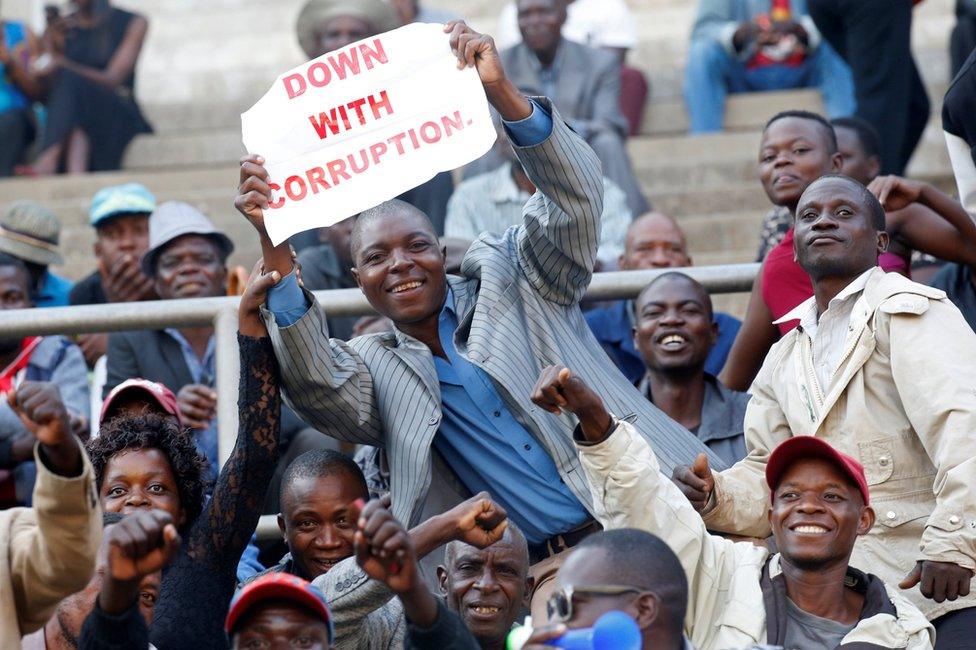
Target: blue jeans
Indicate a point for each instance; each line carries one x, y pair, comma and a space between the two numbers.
712, 73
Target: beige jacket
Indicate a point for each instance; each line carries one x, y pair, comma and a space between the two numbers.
903, 402
727, 607
48, 551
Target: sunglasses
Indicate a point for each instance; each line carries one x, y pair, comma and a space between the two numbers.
560, 603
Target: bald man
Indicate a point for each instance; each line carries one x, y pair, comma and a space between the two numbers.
653, 241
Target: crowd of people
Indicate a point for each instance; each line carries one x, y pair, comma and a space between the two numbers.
489, 445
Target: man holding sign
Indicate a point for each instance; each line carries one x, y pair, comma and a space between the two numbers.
456, 375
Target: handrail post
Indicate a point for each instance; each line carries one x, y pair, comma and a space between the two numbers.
228, 368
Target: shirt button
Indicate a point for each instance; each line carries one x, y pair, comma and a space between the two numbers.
528, 447
954, 520
883, 461
432, 421
497, 414
891, 514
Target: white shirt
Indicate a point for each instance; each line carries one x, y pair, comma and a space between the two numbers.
492, 202
597, 23
828, 333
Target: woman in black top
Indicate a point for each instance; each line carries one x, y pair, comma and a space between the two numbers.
92, 113
145, 461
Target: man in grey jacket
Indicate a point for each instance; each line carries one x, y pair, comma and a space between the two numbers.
584, 82
446, 392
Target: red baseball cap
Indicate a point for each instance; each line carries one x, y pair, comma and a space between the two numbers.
155, 391
805, 447
283, 586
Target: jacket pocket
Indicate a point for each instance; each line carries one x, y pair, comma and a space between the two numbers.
878, 459
898, 513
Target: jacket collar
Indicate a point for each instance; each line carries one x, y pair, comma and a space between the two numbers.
806, 311
773, 583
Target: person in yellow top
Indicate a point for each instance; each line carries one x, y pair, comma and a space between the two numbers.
47, 551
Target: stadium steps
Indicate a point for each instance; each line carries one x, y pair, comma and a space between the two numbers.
205, 63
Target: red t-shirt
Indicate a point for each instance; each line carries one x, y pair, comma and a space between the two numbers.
786, 284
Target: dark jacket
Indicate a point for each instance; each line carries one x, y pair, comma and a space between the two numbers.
127, 631
447, 633
149, 354
613, 328
88, 291
156, 356
877, 603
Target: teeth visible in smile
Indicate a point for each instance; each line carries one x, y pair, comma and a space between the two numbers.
673, 340
406, 287
486, 610
810, 530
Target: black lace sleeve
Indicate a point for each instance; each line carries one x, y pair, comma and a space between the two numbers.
226, 525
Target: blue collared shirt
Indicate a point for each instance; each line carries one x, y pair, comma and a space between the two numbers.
490, 450
613, 327
203, 372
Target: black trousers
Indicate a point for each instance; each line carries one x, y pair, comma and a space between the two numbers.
956, 630
874, 37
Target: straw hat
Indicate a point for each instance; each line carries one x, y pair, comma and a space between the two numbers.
380, 15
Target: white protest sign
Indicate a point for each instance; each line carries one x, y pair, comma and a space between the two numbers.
361, 125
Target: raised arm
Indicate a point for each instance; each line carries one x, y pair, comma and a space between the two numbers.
924, 219
325, 380
232, 515
353, 594
629, 491
52, 546
740, 495
557, 243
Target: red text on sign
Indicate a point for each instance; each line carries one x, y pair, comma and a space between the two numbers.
340, 64
299, 186
337, 119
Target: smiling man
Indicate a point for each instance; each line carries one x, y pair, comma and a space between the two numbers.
487, 587
805, 596
455, 375
322, 493
186, 258
674, 332
879, 367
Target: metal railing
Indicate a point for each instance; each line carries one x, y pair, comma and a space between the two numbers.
221, 313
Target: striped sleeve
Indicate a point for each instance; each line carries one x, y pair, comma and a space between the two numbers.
558, 240
326, 380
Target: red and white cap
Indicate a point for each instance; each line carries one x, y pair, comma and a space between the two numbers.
156, 392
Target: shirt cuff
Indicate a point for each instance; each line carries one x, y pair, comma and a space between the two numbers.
533, 130
287, 301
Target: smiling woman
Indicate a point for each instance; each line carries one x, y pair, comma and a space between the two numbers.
149, 461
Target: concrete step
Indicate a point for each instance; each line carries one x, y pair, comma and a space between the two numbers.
744, 112
660, 162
